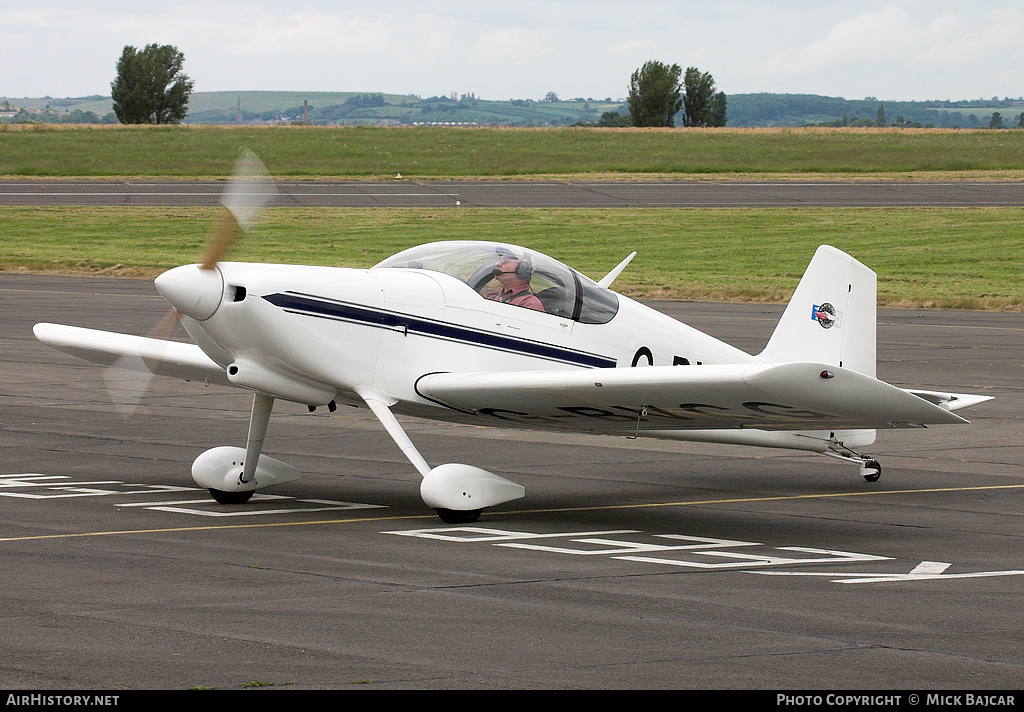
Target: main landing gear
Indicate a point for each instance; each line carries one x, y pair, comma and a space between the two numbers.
458, 493
233, 474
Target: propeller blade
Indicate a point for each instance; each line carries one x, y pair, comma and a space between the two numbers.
250, 190
166, 327
127, 383
129, 377
226, 232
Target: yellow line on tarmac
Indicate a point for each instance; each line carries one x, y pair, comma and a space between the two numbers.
782, 498
167, 530
351, 520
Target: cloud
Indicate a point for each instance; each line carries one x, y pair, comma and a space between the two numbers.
867, 40
893, 48
910, 52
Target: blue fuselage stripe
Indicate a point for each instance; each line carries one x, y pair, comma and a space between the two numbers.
318, 307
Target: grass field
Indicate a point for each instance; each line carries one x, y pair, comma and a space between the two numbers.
958, 258
435, 152
932, 257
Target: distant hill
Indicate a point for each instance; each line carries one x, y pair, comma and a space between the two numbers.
351, 108
354, 108
806, 109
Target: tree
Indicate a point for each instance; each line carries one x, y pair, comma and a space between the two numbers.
699, 101
880, 121
150, 87
654, 94
717, 117
612, 118
996, 121
551, 96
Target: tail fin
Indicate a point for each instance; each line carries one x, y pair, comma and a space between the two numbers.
831, 317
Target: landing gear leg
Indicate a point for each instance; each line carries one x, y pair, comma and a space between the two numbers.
262, 404
458, 493
870, 469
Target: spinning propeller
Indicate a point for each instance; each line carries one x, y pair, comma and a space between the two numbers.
196, 290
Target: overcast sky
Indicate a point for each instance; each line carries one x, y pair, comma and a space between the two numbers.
895, 49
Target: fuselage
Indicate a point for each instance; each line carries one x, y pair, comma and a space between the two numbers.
315, 333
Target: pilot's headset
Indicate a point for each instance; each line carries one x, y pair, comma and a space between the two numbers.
524, 263
524, 270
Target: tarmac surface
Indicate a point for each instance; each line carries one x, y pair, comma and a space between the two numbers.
630, 564
527, 194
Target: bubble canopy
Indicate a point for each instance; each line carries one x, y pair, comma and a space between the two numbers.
562, 290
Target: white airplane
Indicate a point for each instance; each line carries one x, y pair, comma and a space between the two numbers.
448, 331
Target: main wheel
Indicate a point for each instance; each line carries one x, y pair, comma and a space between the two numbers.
231, 497
873, 477
458, 516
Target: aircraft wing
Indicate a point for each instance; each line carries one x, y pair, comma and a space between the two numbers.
136, 353
771, 396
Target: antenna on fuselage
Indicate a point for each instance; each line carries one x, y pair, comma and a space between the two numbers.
607, 280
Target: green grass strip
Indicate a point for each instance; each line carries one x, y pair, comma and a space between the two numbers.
435, 152
967, 258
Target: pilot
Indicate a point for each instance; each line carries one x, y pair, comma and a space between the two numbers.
514, 275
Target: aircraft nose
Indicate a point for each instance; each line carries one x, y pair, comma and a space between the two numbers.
191, 290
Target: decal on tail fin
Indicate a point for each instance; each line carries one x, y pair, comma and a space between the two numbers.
831, 317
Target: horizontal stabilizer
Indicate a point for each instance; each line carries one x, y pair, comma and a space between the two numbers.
949, 401
138, 353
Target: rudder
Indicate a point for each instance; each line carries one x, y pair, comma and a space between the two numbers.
831, 317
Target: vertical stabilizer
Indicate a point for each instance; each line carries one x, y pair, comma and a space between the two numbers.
831, 317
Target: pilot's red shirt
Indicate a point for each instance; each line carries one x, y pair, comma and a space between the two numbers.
520, 296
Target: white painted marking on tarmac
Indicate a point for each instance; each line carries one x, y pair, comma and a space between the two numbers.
35, 486
741, 560
925, 571
699, 553
250, 512
486, 534
618, 549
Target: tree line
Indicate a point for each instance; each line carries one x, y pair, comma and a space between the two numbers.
813, 110
151, 87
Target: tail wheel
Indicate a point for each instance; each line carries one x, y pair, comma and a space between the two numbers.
872, 465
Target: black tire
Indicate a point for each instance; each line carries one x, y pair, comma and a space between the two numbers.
875, 464
223, 497
458, 516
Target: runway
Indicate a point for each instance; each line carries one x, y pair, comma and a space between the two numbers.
528, 194
629, 565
